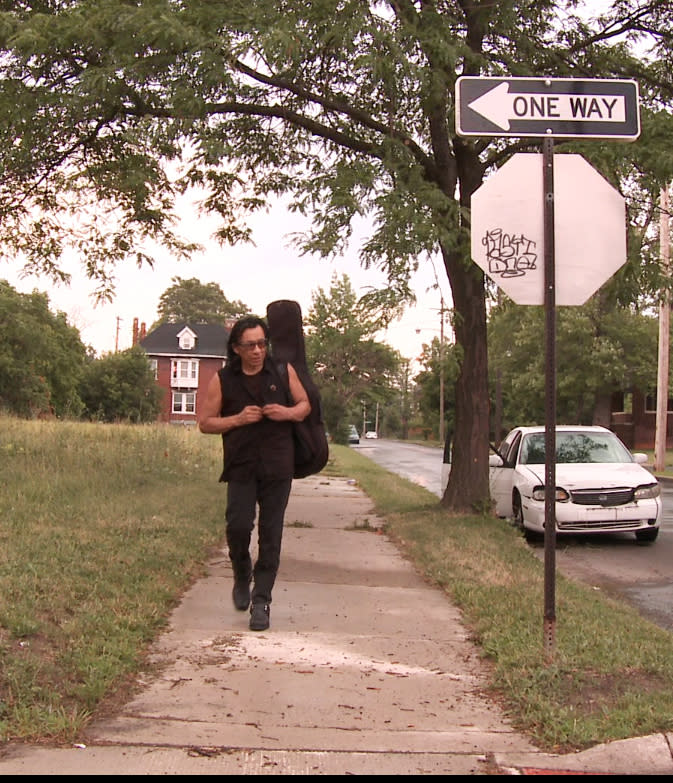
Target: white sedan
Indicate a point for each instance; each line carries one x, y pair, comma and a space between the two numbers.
600, 486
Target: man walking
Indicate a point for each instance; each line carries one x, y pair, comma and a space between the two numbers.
247, 404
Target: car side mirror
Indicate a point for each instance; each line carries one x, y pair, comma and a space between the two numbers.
495, 461
639, 457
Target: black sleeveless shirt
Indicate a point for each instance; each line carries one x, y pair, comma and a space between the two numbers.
264, 449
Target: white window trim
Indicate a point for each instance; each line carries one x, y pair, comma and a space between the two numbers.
185, 402
186, 339
184, 373
651, 403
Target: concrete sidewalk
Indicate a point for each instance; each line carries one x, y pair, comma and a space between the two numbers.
365, 670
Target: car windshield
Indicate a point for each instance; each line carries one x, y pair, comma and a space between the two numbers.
581, 447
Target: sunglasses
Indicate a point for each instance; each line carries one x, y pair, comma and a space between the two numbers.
261, 344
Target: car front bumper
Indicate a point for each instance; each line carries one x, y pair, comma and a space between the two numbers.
574, 518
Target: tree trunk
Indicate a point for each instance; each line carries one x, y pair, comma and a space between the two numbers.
467, 489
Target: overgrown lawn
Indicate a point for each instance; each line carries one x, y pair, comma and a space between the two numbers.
103, 527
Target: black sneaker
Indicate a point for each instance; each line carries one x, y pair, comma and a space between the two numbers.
259, 617
241, 594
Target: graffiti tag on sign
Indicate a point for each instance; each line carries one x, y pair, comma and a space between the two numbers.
509, 255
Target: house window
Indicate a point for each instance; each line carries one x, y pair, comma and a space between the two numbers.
184, 402
185, 370
651, 403
154, 367
622, 402
187, 341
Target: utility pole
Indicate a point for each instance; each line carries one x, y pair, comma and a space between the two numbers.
442, 310
664, 325
441, 370
405, 400
117, 335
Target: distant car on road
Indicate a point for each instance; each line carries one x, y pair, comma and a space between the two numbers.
600, 486
353, 436
370, 434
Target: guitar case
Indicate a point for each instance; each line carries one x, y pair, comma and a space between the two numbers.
286, 332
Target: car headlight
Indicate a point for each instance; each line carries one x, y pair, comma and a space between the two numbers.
648, 491
538, 493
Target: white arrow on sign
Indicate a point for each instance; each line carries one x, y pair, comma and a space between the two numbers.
500, 106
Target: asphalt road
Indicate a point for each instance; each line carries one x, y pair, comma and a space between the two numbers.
640, 574
420, 464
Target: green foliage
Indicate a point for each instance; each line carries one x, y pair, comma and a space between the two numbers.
598, 351
435, 360
352, 115
41, 357
349, 366
96, 551
121, 387
345, 107
193, 302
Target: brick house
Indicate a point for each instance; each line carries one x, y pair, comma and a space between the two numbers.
184, 358
634, 419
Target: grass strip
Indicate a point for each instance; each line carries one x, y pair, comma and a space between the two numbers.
103, 528
611, 672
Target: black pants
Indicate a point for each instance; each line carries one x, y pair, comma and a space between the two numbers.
242, 498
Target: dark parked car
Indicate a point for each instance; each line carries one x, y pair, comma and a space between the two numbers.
353, 436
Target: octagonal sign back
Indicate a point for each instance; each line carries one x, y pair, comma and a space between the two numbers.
507, 234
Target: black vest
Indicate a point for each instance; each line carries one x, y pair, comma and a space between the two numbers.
263, 449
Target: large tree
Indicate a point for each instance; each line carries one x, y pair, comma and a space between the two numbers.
121, 387
195, 302
345, 106
350, 366
41, 357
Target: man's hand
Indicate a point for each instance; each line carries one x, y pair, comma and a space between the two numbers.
250, 414
277, 412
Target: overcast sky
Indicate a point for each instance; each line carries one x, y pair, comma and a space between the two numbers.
256, 275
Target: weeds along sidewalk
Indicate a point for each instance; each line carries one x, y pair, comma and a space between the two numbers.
105, 527
489, 572
367, 669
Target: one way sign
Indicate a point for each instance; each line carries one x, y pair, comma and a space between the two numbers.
557, 108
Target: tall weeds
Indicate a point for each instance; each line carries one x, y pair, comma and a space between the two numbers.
101, 529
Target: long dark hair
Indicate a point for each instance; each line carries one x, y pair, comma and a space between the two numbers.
247, 322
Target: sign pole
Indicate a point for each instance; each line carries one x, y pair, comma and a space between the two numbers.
504, 243
550, 400
661, 435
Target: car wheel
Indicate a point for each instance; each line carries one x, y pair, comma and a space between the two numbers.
647, 535
531, 536
517, 512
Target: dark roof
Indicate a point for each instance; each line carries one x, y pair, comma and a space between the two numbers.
211, 340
